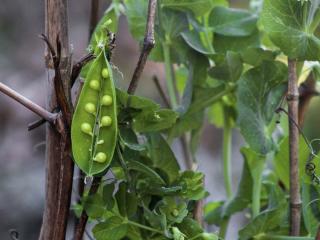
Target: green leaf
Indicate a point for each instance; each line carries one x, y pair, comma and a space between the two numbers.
111, 229
229, 70
127, 201
140, 167
94, 205
107, 195
232, 22
193, 39
311, 207
281, 160
136, 12
174, 212
152, 121
259, 92
192, 185
198, 7
269, 219
162, 157
222, 43
255, 56
290, 25
135, 102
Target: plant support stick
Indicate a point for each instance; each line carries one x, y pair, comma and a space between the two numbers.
293, 102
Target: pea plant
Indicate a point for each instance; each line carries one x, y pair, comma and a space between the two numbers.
254, 70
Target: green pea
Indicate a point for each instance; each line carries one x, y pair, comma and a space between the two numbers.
106, 100
106, 121
94, 84
105, 73
90, 108
86, 128
100, 157
93, 154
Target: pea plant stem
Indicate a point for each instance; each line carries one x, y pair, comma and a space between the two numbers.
169, 78
144, 227
293, 102
227, 146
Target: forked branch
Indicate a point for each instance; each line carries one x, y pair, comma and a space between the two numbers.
148, 45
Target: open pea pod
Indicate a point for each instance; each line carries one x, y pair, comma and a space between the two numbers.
94, 124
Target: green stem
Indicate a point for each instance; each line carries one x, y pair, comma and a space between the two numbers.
256, 193
144, 227
278, 237
227, 145
169, 79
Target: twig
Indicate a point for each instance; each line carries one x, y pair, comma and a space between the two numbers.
81, 226
36, 124
94, 16
148, 45
161, 92
40, 111
293, 103
318, 234
76, 69
62, 100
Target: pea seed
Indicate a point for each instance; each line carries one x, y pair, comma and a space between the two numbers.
105, 73
175, 212
100, 157
106, 121
95, 85
90, 108
106, 100
86, 128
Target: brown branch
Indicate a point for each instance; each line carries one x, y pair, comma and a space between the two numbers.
293, 104
318, 234
148, 45
161, 92
59, 165
40, 111
76, 69
36, 124
81, 226
94, 16
61, 97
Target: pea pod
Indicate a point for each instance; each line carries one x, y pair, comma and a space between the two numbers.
94, 124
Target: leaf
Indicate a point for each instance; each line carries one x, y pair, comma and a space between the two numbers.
107, 195
135, 102
152, 121
127, 201
136, 12
140, 167
162, 157
255, 56
232, 22
290, 25
193, 39
311, 207
281, 160
174, 212
192, 185
198, 7
269, 219
111, 229
222, 43
229, 70
94, 205
259, 92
